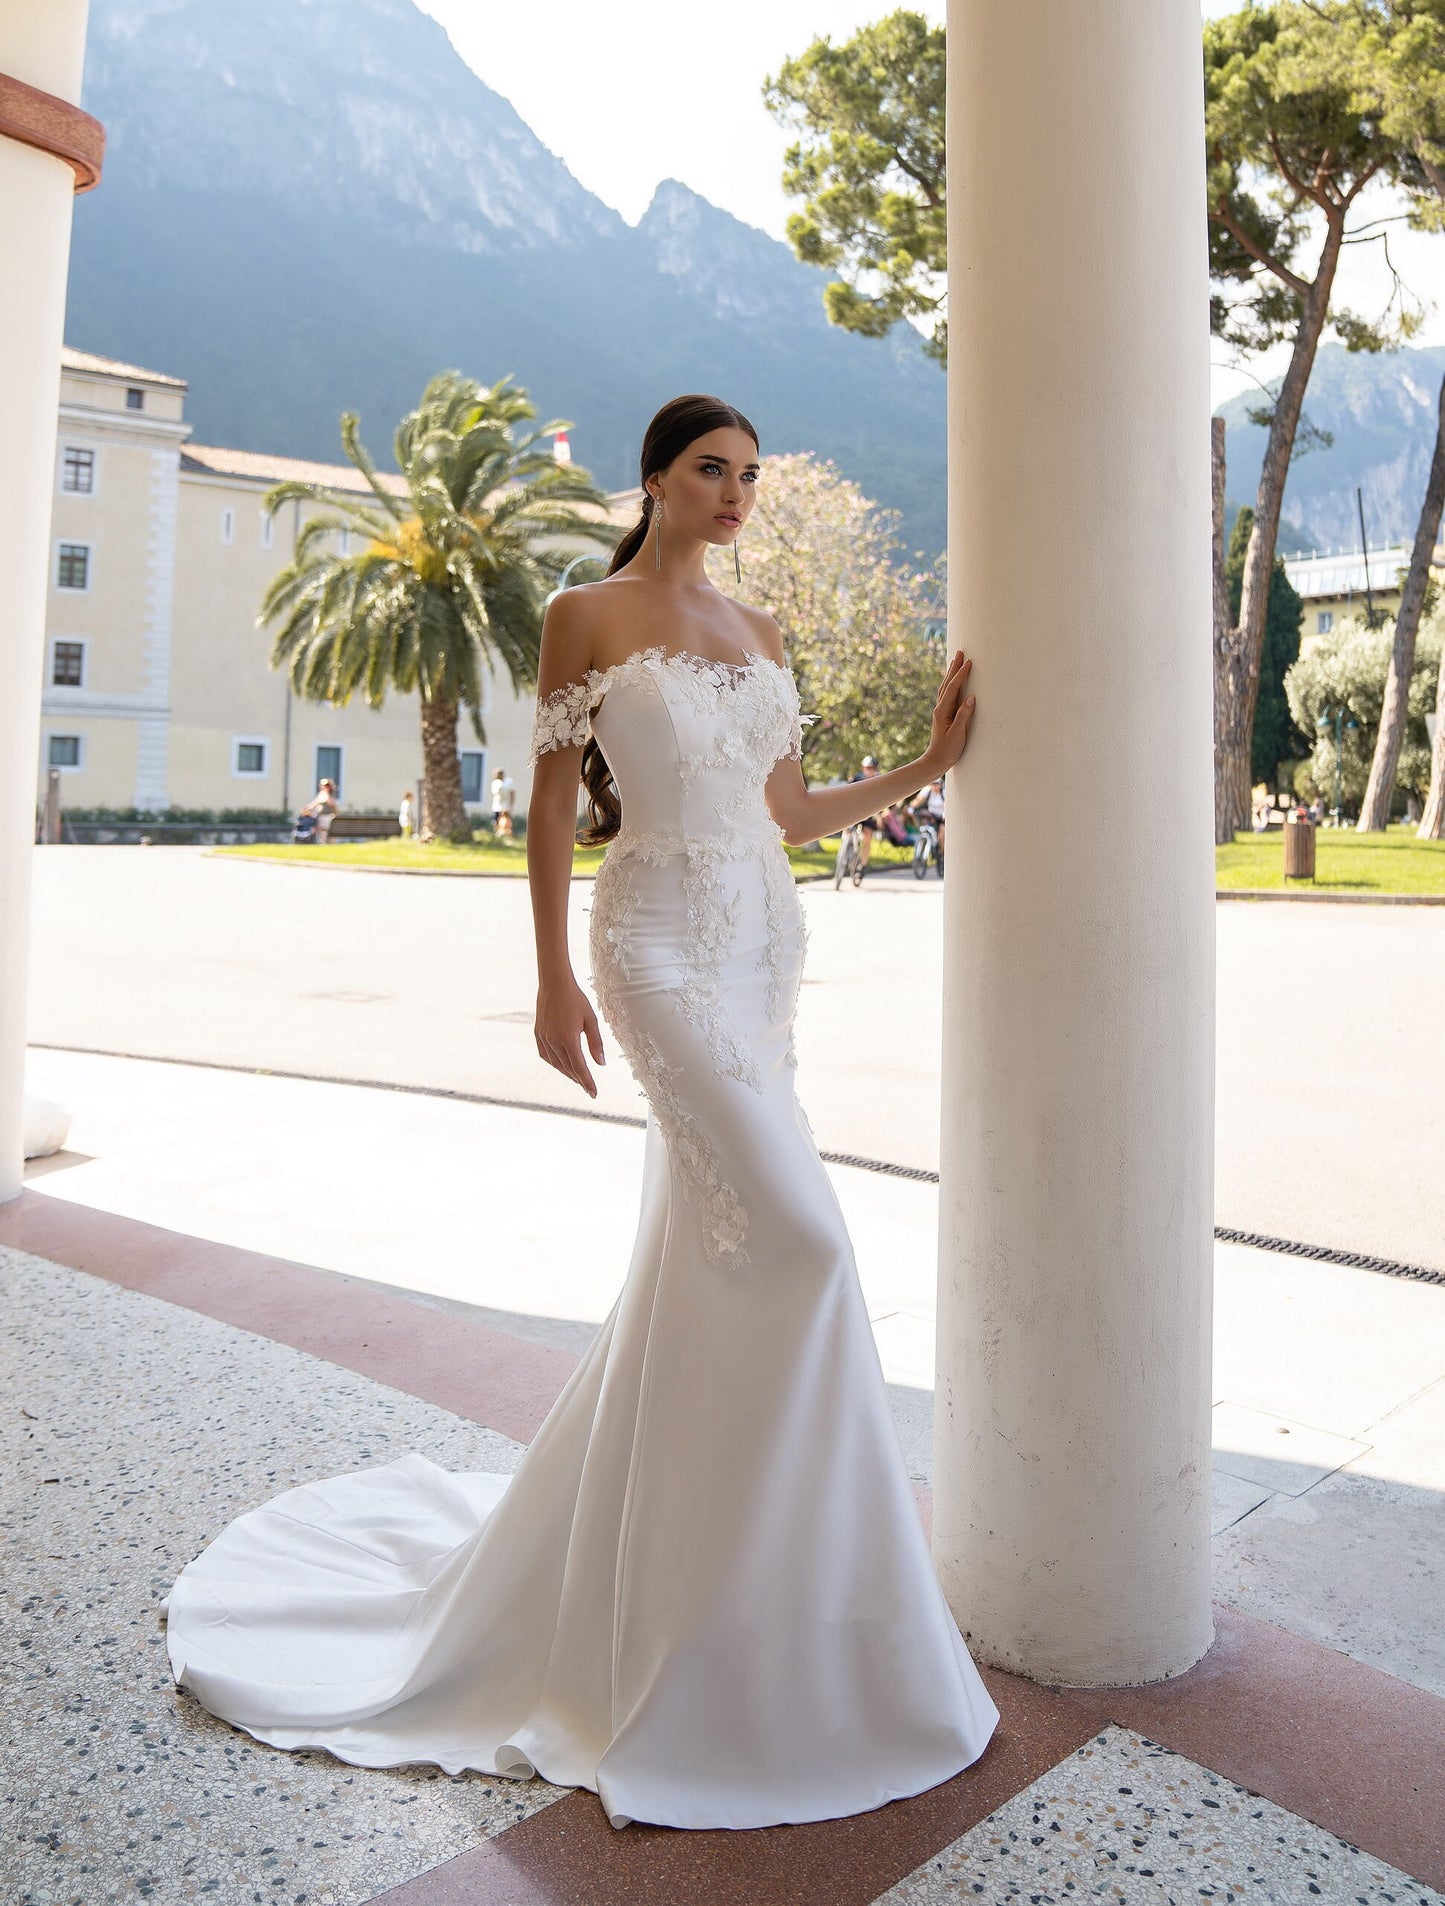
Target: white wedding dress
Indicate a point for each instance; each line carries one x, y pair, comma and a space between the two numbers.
705, 1594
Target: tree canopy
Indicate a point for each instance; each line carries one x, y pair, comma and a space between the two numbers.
868, 164
1291, 143
856, 617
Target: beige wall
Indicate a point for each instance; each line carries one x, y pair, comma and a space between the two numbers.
126, 524
176, 672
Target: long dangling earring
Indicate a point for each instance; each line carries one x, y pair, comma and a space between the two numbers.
657, 534
737, 560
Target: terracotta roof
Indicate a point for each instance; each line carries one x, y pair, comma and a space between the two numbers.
112, 367
260, 466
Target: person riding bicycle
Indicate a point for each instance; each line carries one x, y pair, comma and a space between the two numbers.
870, 826
929, 804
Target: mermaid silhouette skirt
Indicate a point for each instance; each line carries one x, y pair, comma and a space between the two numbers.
705, 1594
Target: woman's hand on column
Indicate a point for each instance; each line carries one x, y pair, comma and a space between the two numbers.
952, 712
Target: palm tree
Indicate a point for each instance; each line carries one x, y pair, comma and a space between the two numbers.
452, 574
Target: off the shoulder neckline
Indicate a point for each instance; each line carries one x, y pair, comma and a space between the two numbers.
690, 659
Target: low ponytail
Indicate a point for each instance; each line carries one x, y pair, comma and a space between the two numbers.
635, 537
675, 426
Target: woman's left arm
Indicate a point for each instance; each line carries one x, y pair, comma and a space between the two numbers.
805, 813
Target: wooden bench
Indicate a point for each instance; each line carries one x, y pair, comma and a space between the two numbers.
363, 827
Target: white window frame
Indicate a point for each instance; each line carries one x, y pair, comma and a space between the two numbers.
67, 445
228, 525
65, 734
1324, 621
238, 742
339, 777
484, 797
75, 642
74, 542
138, 392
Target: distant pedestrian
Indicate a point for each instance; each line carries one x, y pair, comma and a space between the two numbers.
406, 815
504, 795
313, 823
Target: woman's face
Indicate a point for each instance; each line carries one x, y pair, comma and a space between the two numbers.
709, 490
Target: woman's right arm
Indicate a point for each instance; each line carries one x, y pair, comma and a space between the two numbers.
565, 1018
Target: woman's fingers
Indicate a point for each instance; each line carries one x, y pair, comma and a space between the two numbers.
568, 1060
954, 681
594, 1037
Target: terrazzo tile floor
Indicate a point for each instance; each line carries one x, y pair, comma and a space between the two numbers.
132, 1431
1125, 1820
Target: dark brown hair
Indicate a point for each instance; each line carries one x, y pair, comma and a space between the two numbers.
680, 422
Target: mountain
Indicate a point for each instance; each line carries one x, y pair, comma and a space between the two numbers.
1381, 413
311, 206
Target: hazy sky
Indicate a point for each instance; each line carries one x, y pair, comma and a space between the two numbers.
666, 89
655, 89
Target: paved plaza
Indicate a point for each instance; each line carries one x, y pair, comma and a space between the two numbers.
233, 1281
1330, 1123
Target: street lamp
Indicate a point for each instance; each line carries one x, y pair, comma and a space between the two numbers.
587, 557
1337, 715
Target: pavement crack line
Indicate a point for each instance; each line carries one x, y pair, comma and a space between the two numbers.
919, 1174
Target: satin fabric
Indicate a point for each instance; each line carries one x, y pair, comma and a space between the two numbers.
706, 1594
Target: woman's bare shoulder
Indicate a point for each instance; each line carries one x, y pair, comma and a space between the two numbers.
764, 635
586, 627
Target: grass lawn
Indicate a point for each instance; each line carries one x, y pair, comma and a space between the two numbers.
1345, 862
485, 855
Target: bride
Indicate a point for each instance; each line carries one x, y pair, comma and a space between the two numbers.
705, 1594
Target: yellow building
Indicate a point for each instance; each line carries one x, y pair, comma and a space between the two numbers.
158, 691
1337, 585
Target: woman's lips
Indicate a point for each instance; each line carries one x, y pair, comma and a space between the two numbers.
735, 521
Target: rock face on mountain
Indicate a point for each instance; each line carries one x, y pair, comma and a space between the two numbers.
314, 205
1381, 414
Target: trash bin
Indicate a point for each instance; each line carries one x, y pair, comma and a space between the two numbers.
1299, 847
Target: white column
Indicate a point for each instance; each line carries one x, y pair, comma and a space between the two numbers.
45, 47
1071, 1513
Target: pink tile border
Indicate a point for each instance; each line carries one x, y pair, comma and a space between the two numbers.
476, 1372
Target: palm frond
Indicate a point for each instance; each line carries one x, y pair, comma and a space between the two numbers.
356, 450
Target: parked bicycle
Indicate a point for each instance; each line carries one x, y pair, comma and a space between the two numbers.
850, 857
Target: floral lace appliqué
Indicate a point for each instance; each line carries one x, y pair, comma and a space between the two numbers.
764, 725
724, 1221
563, 718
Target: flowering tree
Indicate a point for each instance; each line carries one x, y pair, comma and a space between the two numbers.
856, 619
